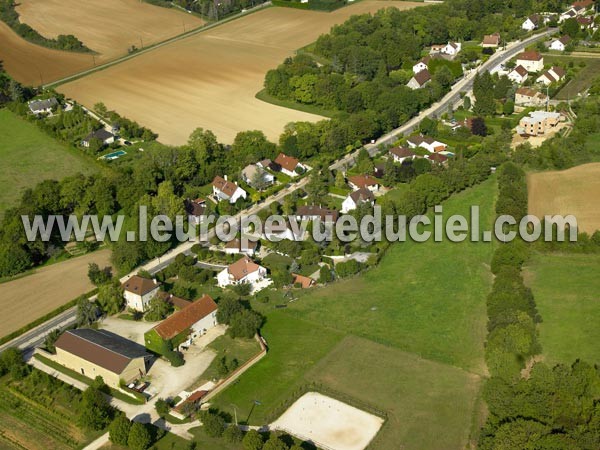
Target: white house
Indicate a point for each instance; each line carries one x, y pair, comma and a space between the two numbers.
451, 49
242, 271
429, 144
419, 80
106, 137
421, 65
42, 106
531, 23
139, 291
236, 246
226, 190
313, 212
531, 60
257, 177
518, 75
288, 165
568, 14
401, 154
278, 231
357, 198
560, 44
552, 75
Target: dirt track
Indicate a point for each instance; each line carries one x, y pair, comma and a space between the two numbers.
567, 192
209, 80
25, 299
108, 27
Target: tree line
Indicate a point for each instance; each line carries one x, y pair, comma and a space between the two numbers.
530, 404
10, 16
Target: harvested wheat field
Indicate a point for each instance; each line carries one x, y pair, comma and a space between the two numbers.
32, 64
26, 299
109, 27
209, 80
572, 191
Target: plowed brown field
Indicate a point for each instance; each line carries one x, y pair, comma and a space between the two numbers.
573, 191
108, 27
209, 80
26, 299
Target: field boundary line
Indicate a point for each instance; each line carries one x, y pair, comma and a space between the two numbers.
149, 48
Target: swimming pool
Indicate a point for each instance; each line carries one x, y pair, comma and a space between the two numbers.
114, 155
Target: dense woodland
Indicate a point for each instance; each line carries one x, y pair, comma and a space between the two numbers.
210, 9
10, 16
362, 66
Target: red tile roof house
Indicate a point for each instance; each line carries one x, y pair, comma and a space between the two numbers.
180, 411
518, 75
357, 182
302, 282
139, 291
242, 271
183, 326
288, 165
227, 190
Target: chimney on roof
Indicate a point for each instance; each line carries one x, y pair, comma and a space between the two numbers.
154, 279
225, 177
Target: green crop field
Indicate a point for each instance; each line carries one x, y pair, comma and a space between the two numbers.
567, 293
29, 156
295, 346
51, 417
425, 298
429, 405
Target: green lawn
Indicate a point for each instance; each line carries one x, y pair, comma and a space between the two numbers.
240, 349
567, 293
29, 156
295, 346
429, 405
582, 79
40, 409
426, 298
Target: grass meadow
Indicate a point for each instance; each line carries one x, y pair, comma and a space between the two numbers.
429, 405
566, 289
29, 156
424, 298
405, 338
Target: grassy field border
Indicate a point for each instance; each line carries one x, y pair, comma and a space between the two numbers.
263, 96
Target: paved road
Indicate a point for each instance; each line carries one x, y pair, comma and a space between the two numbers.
37, 335
437, 109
